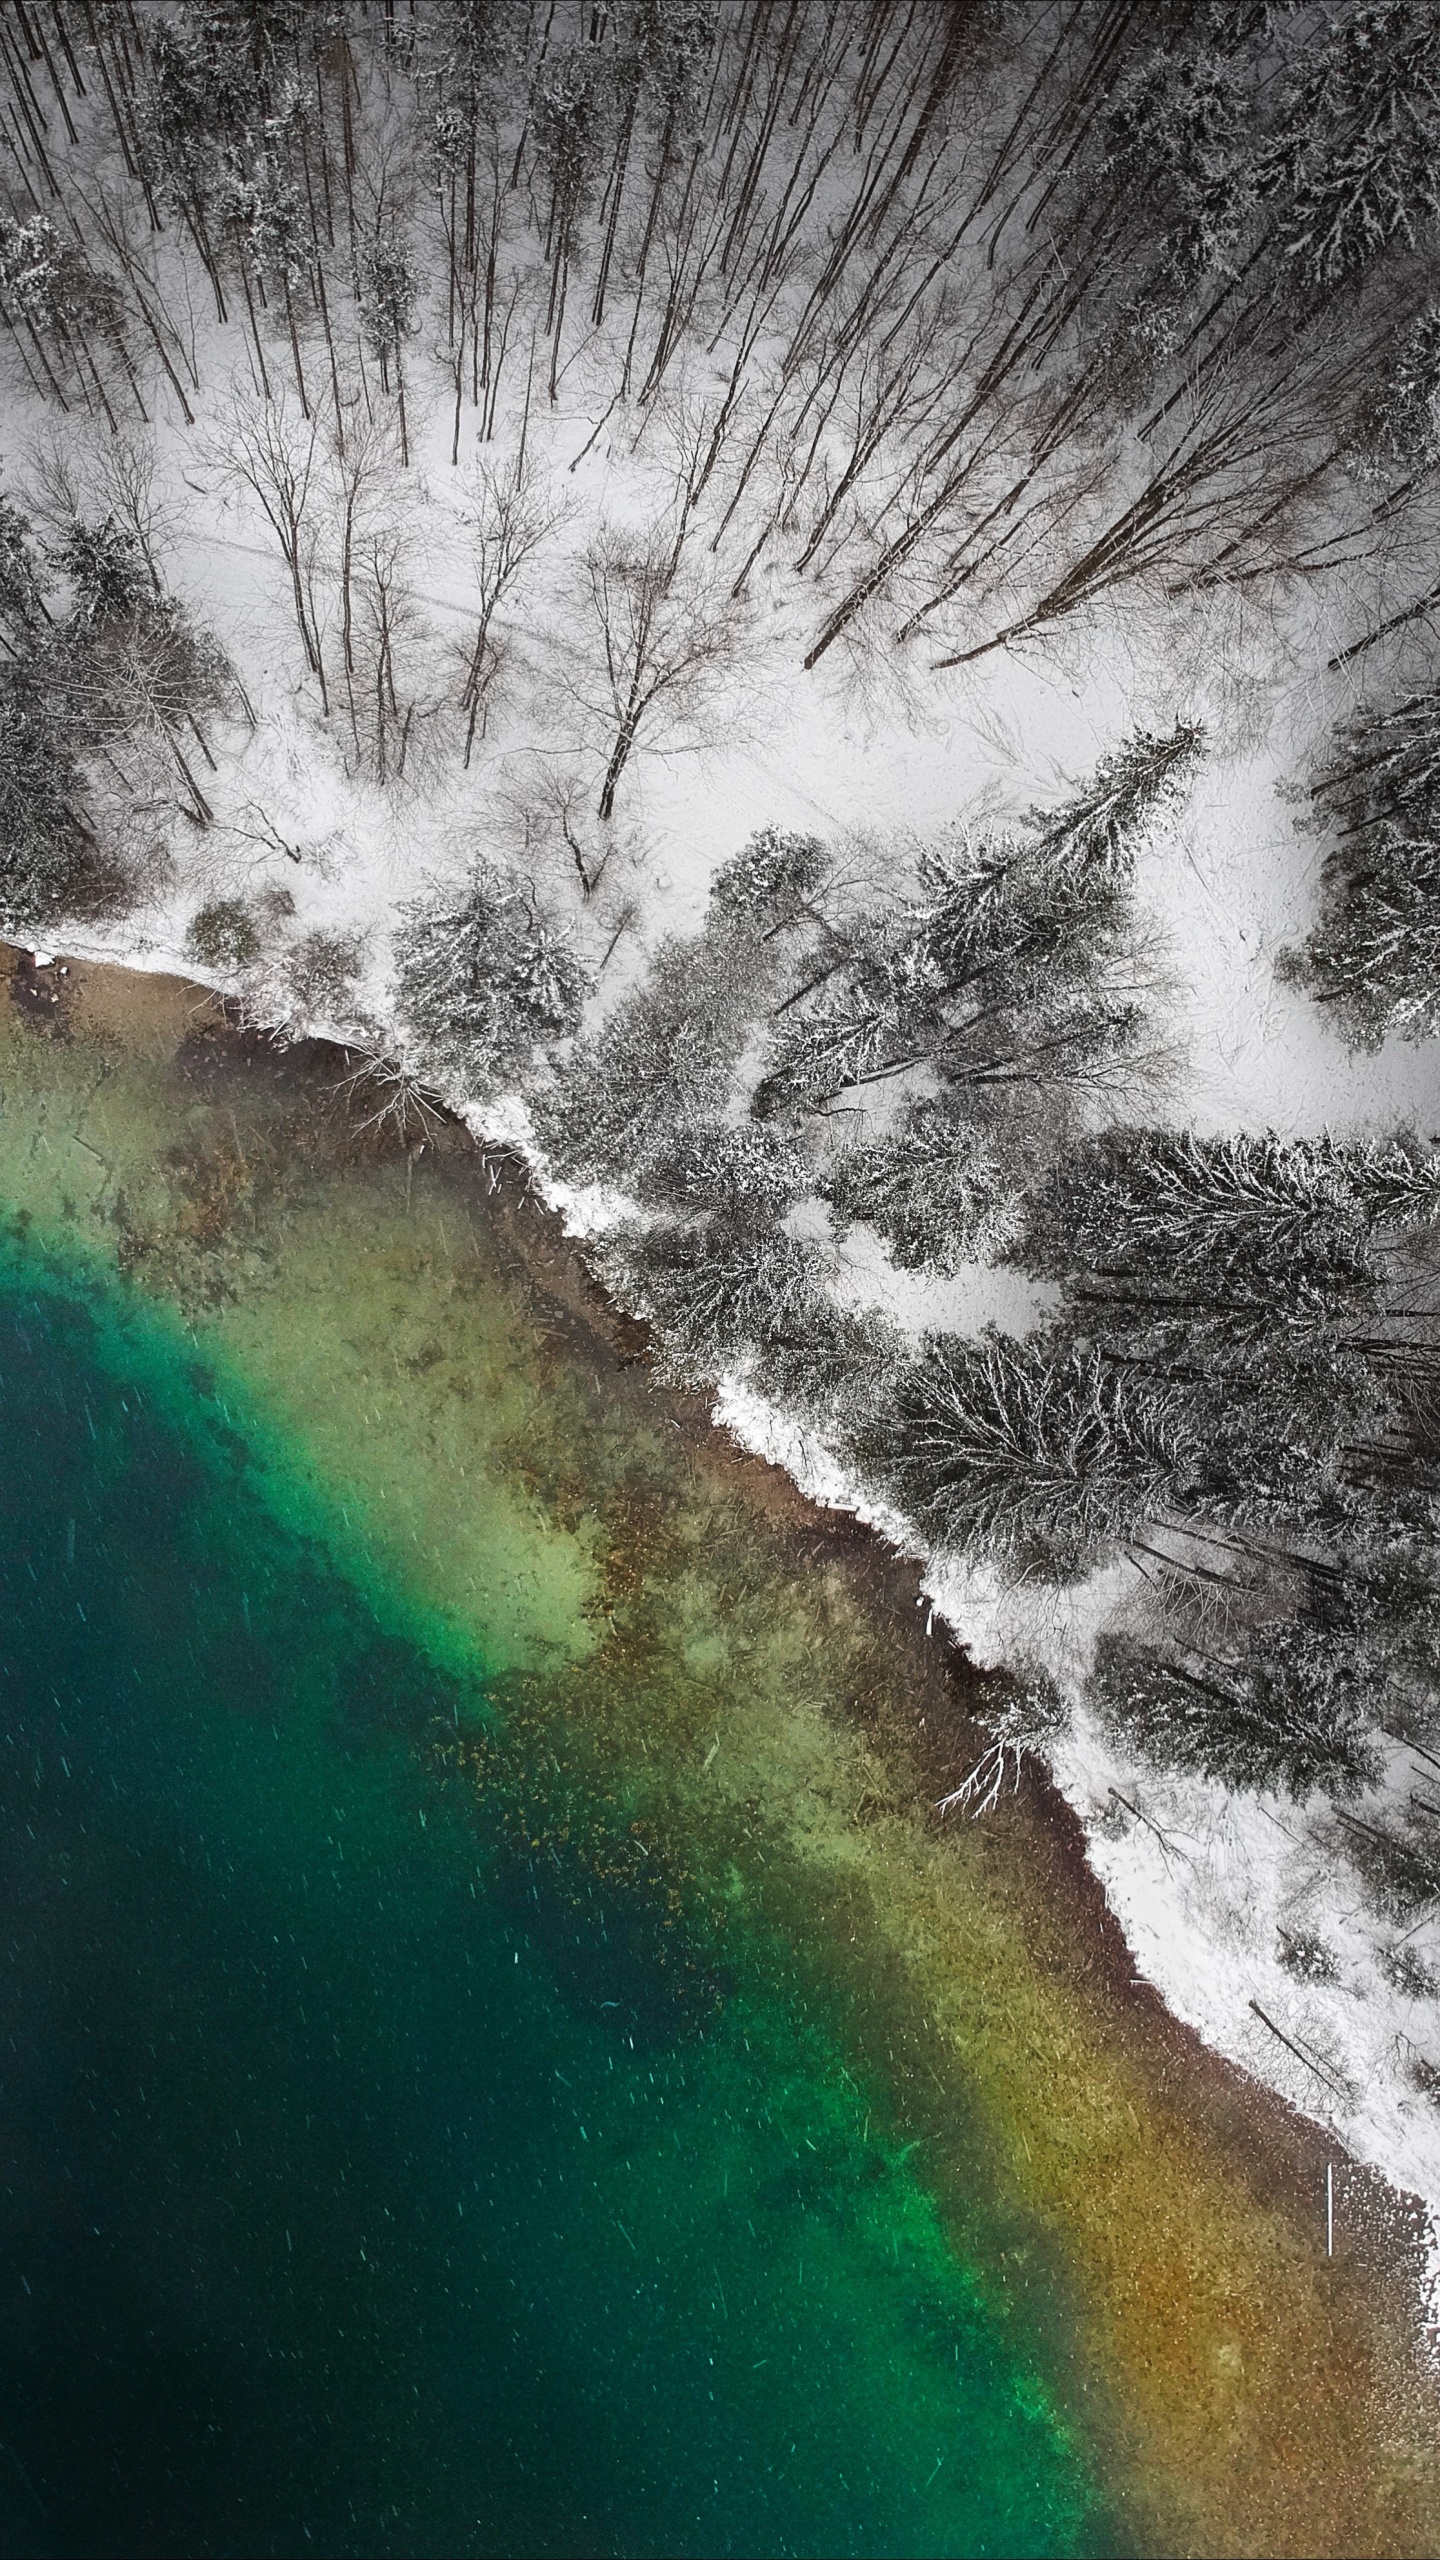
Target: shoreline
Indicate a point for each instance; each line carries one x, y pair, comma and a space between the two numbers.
1387, 2218
1216, 2139
848, 1522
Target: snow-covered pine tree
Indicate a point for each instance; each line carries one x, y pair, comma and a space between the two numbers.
1178, 1238
659, 1078
1398, 425
1108, 818
1246, 1277
107, 571
1180, 134
1293, 1712
998, 943
1354, 163
486, 982
1384, 775
937, 1188
1291, 1429
389, 293
1004, 966
45, 837
721, 1291
566, 115
209, 110
741, 1173
1032, 1453
772, 881
23, 611
1374, 955
666, 1056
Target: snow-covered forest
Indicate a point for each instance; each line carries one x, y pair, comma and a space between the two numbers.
827, 615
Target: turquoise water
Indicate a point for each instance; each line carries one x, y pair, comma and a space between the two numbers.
376, 2182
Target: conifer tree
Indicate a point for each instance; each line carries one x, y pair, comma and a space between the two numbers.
1181, 138
23, 611
1178, 1240
487, 981
389, 290
1107, 820
1399, 418
1355, 162
716, 1292
1032, 1453
936, 1187
1294, 1712
45, 837
1003, 968
772, 881
1374, 955
1246, 1278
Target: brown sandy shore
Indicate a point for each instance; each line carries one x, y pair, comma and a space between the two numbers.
1246, 2394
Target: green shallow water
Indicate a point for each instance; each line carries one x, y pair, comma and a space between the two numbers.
498, 2053
374, 2179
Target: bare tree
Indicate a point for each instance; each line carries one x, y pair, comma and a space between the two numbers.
555, 813
265, 448
664, 634
363, 461
386, 614
510, 514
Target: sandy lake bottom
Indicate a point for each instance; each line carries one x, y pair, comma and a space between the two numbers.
498, 2054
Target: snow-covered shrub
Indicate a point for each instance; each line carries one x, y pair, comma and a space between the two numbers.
1307, 1956
1407, 1971
484, 982
1425, 2076
224, 935
321, 971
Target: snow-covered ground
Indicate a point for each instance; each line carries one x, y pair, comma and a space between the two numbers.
1202, 1882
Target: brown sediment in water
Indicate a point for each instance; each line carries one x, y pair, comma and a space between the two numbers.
1244, 2394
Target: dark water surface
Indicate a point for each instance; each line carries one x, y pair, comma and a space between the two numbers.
368, 2184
